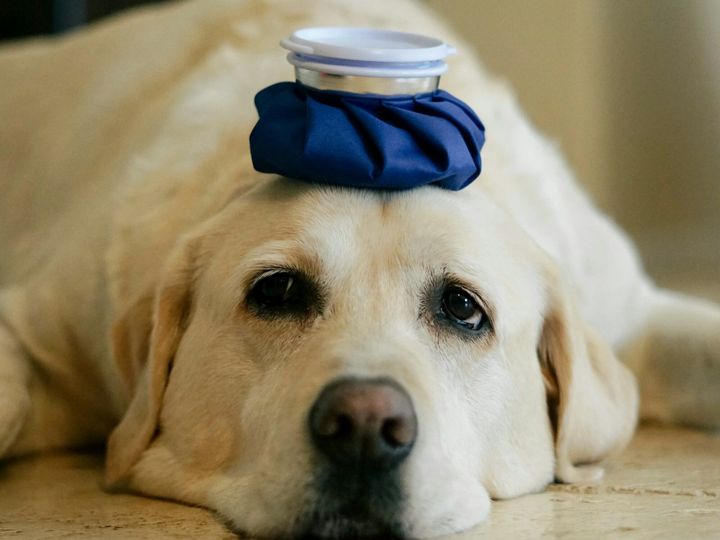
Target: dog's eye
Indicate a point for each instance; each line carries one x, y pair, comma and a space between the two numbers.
461, 308
280, 292
275, 289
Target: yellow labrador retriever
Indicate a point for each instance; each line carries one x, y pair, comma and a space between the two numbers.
309, 360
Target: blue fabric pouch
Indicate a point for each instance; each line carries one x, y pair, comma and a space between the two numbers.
366, 140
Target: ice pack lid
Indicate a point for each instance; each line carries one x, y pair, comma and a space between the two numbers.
367, 52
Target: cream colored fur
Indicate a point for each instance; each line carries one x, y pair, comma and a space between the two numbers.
132, 223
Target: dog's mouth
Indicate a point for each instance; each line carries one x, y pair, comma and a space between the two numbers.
346, 525
360, 504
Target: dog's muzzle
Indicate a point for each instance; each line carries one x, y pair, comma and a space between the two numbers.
362, 430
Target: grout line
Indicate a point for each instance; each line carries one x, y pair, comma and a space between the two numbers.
599, 490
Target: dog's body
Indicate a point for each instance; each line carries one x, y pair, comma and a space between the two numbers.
126, 183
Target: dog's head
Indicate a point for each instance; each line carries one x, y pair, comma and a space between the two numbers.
336, 362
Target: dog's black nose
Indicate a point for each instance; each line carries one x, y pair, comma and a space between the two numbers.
364, 422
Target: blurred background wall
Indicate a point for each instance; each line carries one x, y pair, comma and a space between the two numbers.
629, 89
631, 92
19, 18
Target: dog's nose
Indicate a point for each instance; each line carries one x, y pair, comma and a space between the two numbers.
364, 422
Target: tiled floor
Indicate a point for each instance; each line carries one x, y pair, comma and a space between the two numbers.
665, 485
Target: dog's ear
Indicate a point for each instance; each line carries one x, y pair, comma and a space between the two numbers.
145, 339
592, 397
130, 335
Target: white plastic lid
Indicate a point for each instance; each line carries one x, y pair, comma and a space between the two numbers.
367, 52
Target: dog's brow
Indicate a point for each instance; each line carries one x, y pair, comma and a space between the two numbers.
280, 254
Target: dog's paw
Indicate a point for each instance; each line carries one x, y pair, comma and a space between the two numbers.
14, 408
709, 387
680, 382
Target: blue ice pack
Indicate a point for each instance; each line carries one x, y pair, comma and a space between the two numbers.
366, 112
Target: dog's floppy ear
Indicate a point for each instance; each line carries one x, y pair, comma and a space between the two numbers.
145, 339
592, 397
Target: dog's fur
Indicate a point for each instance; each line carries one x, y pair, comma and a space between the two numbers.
132, 225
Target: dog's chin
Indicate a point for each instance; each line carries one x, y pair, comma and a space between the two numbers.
334, 527
357, 504
340, 525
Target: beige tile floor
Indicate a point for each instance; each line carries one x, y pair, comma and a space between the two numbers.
665, 485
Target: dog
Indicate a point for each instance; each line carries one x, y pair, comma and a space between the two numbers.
310, 360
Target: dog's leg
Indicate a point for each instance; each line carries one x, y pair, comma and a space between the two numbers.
14, 391
676, 357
